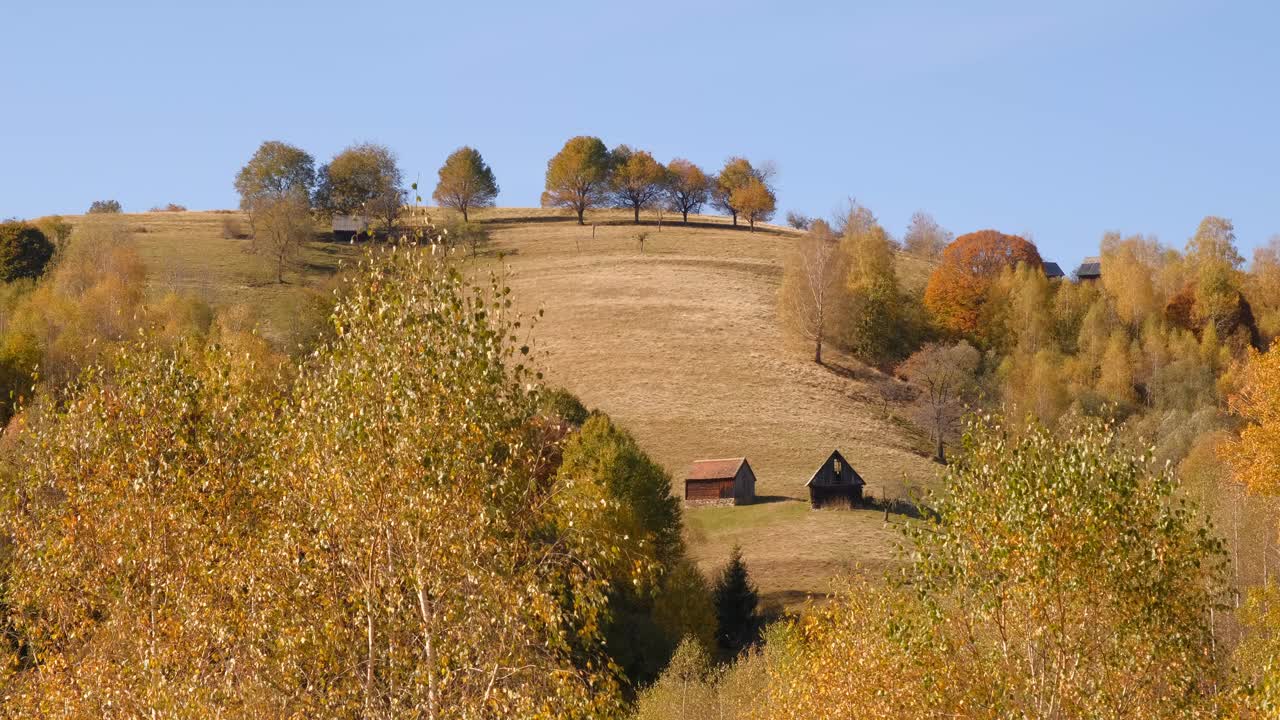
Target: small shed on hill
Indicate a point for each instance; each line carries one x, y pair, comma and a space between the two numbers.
1090, 269
835, 482
1053, 270
729, 481
346, 227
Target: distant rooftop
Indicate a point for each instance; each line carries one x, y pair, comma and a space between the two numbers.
1053, 270
1090, 269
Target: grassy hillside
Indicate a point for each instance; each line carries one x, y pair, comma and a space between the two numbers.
681, 343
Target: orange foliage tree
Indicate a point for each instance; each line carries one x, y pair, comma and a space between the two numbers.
958, 288
1255, 456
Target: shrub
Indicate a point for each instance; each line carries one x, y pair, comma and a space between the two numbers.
171, 207
798, 220
56, 228
233, 229
104, 207
564, 405
24, 251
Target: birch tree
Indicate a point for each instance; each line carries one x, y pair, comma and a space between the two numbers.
813, 294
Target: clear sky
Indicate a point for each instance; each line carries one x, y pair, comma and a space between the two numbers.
1061, 120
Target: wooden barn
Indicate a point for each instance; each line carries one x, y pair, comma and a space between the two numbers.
346, 227
720, 482
835, 483
1090, 269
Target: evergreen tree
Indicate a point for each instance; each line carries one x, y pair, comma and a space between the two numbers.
736, 601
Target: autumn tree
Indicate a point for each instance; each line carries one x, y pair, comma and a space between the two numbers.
737, 174
363, 179
1132, 269
466, 182
1263, 286
876, 328
1044, 555
688, 188
1034, 385
578, 176
281, 228
276, 171
925, 236
636, 180
686, 689
1028, 594
755, 201
141, 504
812, 298
947, 378
459, 572
1255, 456
957, 289
24, 251
384, 535
1212, 253
607, 455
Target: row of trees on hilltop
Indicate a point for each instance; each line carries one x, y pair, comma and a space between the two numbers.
366, 180
585, 174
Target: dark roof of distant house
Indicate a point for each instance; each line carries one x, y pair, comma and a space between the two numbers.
1090, 268
715, 469
1053, 270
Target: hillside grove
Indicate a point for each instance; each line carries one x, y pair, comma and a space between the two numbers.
364, 449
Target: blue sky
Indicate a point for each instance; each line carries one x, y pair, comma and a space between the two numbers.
1060, 120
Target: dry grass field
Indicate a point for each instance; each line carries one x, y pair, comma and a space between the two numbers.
186, 252
681, 343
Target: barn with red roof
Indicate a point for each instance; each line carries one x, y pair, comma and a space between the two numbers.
728, 481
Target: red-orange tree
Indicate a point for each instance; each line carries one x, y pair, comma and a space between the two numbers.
958, 288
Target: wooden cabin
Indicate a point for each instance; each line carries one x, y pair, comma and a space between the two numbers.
729, 481
347, 227
835, 483
1089, 270
1053, 271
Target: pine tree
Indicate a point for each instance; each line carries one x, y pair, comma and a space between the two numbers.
736, 602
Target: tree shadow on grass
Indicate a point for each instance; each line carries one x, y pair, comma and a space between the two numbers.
765, 499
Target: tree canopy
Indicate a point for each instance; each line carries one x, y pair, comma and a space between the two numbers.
277, 170
466, 182
24, 251
957, 289
755, 201
578, 175
382, 535
636, 180
363, 179
736, 175
688, 187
